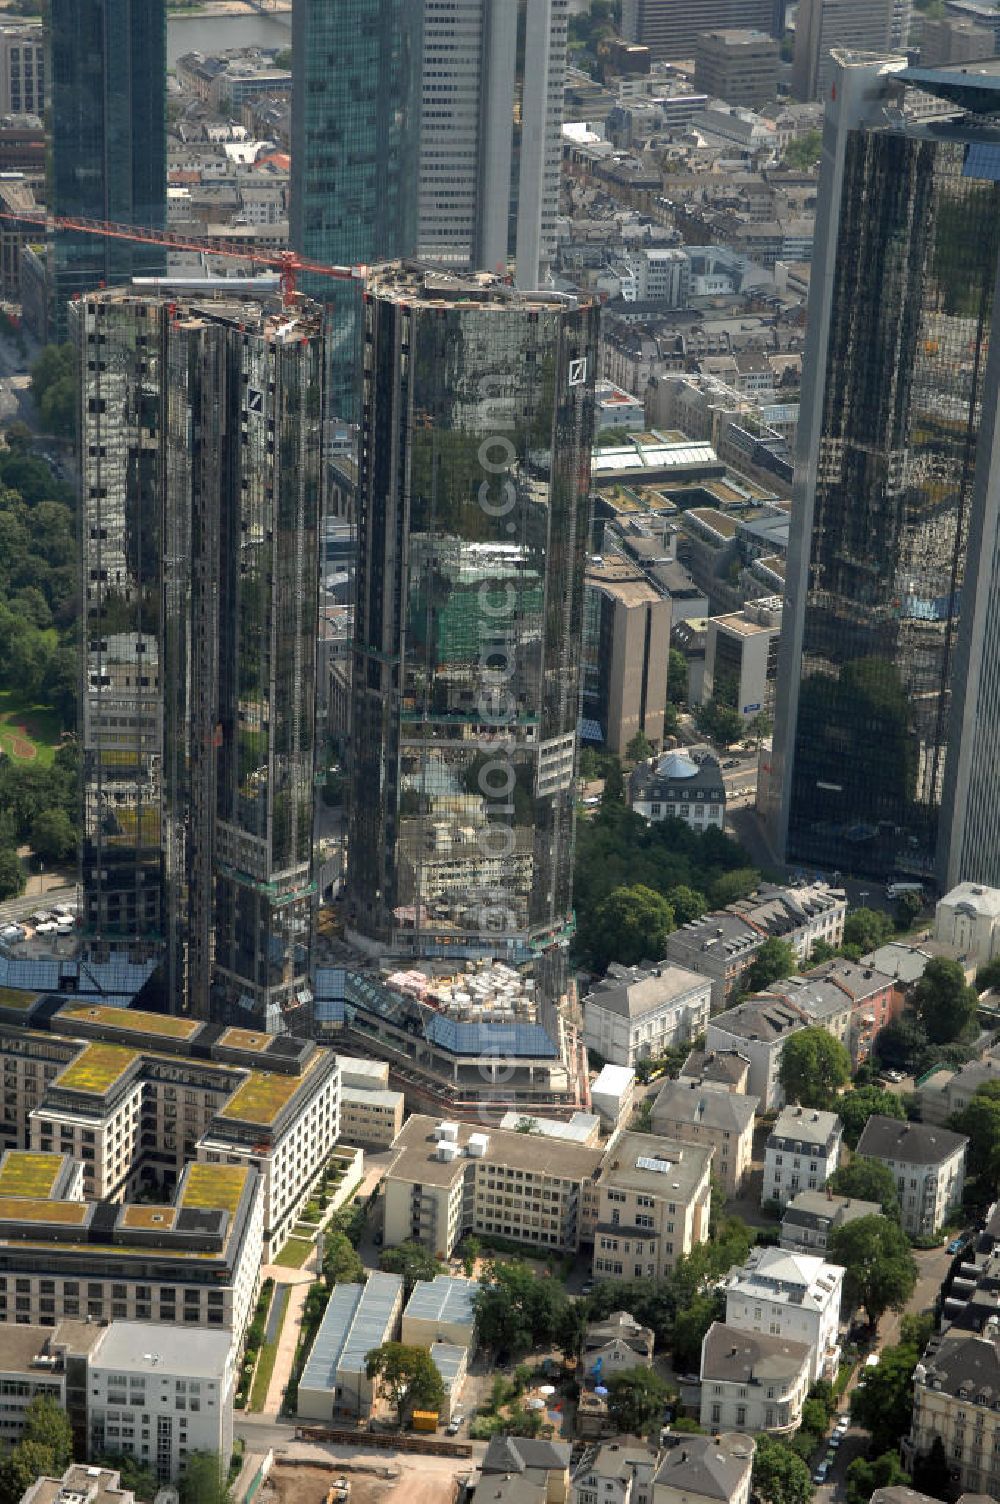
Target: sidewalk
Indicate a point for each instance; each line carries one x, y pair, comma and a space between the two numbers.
298, 1281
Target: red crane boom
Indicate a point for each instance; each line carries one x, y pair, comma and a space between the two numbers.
288, 264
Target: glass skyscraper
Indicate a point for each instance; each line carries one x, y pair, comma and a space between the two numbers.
108, 157
892, 470
472, 499
201, 457
354, 153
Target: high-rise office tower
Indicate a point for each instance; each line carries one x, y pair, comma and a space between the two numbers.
108, 159
491, 112
852, 25
670, 28
473, 486
201, 454
355, 116
894, 515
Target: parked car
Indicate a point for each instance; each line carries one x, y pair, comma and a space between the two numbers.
836, 1437
819, 1476
842, 1424
454, 1425
959, 1244
731, 762
47, 927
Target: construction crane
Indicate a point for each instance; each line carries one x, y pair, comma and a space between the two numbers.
288, 264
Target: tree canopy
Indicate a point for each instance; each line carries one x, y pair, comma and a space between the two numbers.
635, 1400
814, 1066
855, 1108
980, 1121
341, 1261
630, 925
54, 382
408, 1374
882, 1400
412, 1260
46, 1422
516, 1311
867, 1180
945, 1003
881, 1270
774, 960
204, 1479
779, 1474
866, 929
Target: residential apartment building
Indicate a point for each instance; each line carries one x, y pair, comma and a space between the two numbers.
626, 644
947, 1092
198, 718
723, 945
717, 1070
874, 999
704, 1470
811, 1216
617, 1344
802, 1152
22, 70
790, 1295
928, 1164
954, 1397
519, 1469
195, 1261
135, 1096
617, 1472
157, 1396
637, 1013
679, 786
696, 1114
449, 1179
430, 870
758, 1030
751, 1381
653, 1202
107, 69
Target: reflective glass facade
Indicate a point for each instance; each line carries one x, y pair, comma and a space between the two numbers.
107, 66
354, 153
886, 486
201, 465
472, 520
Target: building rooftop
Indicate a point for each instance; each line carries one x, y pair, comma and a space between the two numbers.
213, 1187
131, 1020
737, 1357
809, 1208
655, 1163
975, 898
415, 1153
964, 1365
432, 286
715, 1067
444, 1298
633, 991
16, 1000
31, 1175
157, 1347
908, 1143
96, 1069
79, 1483
688, 1102
263, 1095
806, 1125
760, 1018
790, 1278
709, 1467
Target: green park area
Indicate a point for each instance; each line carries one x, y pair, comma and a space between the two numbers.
28, 733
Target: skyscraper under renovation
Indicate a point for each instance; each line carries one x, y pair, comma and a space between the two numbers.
201, 473
108, 157
895, 488
473, 486
354, 152
491, 112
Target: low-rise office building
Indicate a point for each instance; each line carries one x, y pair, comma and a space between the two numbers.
741, 657
195, 1261
752, 1381
79, 1484
928, 1164
790, 1295
371, 1117
50, 1362
654, 1197
739, 66
638, 1013
802, 1152
442, 1309
688, 1111
626, 645
811, 1216
357, 1319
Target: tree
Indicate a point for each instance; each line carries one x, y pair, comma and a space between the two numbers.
882, 1400
867, 929
639, 748
945, 1004
909, 906
980, 1121
571, 1328
635, 1400
720, 723
409, 1375
21, 1466
774, 960
630, 925
814, 1066
867, 1180
613, 791
53, 388
856, 1107
204, 1480
690, 1325
779, 1476
881, 1270
901, 1043
677, 677
46, 1422
516, 1311
802, 152
413, 1261
931, 1474
341, 1262
53, 836
822, 951
732, 886
137, 1479
12, 877
864, 1477
687, 903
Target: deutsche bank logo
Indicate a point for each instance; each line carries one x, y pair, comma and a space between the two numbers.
578, 371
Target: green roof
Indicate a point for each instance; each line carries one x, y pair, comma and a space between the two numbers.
129, 1020
13, 997
261, 1097
96, 1068
213, 1187
24, 1174
38, 1209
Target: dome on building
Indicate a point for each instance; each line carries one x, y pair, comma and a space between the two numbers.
677, 765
